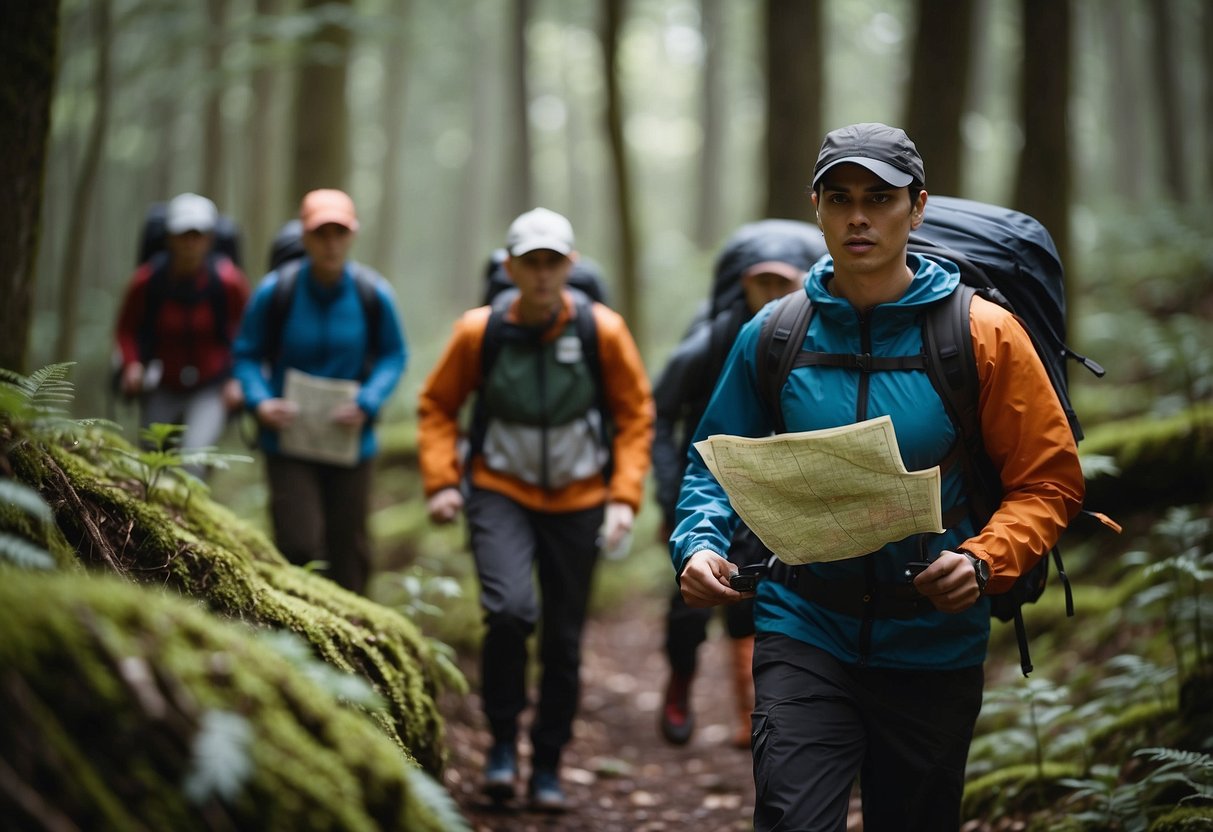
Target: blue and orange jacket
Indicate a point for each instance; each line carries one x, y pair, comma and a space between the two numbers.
1024, 430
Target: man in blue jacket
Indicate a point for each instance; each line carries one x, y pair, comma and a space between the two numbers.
854, 675
325, 328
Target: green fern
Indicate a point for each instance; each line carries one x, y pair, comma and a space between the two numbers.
14, 548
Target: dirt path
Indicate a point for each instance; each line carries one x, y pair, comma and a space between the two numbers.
619, 774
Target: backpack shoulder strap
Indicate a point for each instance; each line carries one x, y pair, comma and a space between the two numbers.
779, 340
280, 305
587, 332
372, 312
217, 294
153, 298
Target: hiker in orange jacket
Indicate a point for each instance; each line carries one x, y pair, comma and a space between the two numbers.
559, 450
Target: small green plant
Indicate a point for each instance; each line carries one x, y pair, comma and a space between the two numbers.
1039, 709
1114, 803
1180, 564
34, 407
163, 459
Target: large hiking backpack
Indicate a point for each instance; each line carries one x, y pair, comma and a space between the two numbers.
585, 276
152, 239
498, 330
1006, 257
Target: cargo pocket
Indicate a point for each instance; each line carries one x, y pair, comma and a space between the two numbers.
760, 735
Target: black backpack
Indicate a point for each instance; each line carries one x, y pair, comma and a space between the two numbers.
585, 276
152, 239
1005, 257
497, 330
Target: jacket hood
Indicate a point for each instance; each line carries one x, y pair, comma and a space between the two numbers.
934, 279
788, 241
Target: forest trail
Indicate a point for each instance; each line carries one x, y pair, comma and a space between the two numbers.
618, 772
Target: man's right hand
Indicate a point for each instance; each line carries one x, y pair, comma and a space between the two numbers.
444, 506
276, 413
705, 581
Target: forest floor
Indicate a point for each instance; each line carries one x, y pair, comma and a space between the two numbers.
619, 773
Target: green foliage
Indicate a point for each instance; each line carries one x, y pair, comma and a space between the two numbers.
15, 549
1114, 803
164, 459
37, 406
220, 761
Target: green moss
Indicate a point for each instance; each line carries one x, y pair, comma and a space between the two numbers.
188, 543
1185, 819
104, 688
990, 795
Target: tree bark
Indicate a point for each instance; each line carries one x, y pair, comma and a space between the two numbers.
1043, 182
1166, 94
1123, 62
321, 134
389, 218
614, 13
519, 193
82, 192
709, 218
939, 85
794, 90
263, 213
213, 156
28, 41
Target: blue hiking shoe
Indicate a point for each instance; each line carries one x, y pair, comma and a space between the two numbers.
500, 772
545, 792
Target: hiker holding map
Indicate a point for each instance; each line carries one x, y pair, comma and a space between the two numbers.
873, 625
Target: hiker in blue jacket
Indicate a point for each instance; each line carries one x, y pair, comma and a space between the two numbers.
856, 672
323, 324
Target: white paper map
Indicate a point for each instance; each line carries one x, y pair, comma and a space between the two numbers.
312, 434
825, 495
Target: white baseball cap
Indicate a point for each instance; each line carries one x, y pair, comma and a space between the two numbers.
190, 212
538, 229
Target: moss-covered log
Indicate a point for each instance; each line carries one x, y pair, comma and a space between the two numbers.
108, 690
177, 538
1160, 462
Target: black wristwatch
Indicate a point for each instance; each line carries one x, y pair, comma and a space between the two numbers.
981, 569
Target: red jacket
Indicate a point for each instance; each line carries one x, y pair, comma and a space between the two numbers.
184, 333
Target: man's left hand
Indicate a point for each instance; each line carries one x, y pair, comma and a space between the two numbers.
616, 524
950, 582
349, 414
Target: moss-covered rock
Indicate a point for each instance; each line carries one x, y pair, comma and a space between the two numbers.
109, 688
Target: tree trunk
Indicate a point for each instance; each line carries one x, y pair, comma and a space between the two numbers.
939, 85
794, 90
28, 40
519, 193
213, 168
1123, 62
1207, 73
82, 192
321, 134
1166, 91
709, 220
1043, 183
263, 214
614, 13
389, 218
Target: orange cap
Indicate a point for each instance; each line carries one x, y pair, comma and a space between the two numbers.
327, 205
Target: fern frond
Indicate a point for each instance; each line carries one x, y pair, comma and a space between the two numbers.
20, 552
22, 497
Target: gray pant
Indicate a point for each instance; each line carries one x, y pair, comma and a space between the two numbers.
512, 545
201, 411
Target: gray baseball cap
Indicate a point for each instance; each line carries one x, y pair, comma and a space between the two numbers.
886, 151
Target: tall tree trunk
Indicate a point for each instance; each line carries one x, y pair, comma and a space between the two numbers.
1043, 183
519, 192
939, 85
467, 261
321, 134
614, 13
708, 221
794, 90
389, 218
263, 213
1123, 62
28, 41
1207, 74
82, 193
1167, 95
213, 156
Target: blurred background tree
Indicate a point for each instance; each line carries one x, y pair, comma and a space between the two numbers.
658, 126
